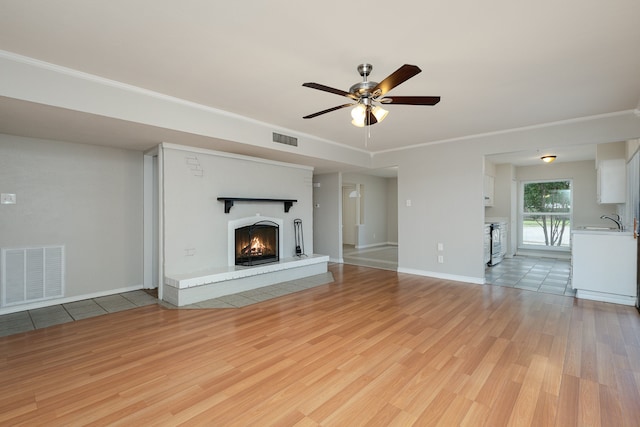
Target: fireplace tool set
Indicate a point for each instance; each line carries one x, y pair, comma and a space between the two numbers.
297, 228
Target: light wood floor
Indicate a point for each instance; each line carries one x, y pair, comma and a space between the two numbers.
374, 348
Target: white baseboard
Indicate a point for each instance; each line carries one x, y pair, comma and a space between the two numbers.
66, 300
373, 245
436, 275
606, 297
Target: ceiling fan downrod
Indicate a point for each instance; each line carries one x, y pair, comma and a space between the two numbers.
363, 89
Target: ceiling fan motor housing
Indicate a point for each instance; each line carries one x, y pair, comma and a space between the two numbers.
363, 89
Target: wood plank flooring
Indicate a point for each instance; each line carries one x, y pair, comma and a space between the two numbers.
373, 348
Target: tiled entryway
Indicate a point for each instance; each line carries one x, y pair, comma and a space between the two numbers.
29, 320
38, 318
547, 275
385, 256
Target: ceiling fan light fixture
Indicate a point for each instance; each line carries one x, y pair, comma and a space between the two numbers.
358, 113
379, 112
548, 159
358, 123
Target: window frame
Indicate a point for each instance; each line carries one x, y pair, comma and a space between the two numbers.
522, 215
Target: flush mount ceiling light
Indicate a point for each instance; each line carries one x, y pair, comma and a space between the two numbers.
548, 159
367, 95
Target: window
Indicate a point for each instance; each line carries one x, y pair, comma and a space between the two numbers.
545, 215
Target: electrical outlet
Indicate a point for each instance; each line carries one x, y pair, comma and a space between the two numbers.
440, 259
7, 199
440, 246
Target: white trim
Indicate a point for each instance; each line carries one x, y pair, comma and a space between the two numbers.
337, 260
520, 214
147, 222
605, 297
233, 156
66, 300
436, 275
225, 274
160, 222
506, 131
374, 245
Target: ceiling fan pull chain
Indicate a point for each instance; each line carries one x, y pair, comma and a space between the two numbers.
367, 135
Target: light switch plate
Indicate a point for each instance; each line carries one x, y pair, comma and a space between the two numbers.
8, 199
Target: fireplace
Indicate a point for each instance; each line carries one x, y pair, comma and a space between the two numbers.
257, 243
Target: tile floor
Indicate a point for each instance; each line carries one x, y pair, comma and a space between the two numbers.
547, 275
385, 257
539, 274
29, 320
38, 318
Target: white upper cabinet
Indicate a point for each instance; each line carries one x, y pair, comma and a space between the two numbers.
488, 190
612, 181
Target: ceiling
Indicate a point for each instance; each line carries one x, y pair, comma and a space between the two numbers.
497, 65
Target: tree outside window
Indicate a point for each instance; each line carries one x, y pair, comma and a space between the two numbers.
546, 216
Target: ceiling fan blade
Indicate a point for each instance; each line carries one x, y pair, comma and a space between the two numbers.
411, 100
399, 76
328, 110
329, 89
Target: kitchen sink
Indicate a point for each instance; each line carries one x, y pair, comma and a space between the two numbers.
595, 228
599, 228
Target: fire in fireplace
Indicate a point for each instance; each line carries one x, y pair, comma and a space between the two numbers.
257, 243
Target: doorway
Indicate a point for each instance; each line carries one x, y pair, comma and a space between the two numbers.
350, 201
370, 218
151, 221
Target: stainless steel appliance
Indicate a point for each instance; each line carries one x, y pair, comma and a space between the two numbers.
498, 243
487, 243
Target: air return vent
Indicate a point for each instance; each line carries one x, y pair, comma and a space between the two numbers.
285, 139
32, 274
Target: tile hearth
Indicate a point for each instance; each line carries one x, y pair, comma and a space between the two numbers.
29, 320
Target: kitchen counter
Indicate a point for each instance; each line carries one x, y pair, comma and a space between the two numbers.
601, 230
604, 265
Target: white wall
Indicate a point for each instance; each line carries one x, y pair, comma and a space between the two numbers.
392, 210
327, 215
85, 197
505, 201
443, 185
444, 182
195, 225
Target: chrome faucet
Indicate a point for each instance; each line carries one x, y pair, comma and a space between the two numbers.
617, 220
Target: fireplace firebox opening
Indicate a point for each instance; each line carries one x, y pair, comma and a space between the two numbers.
257, 243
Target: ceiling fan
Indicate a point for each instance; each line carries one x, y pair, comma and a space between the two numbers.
368, 95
